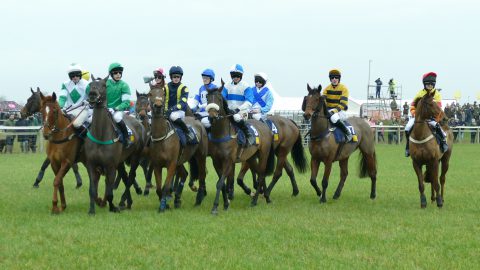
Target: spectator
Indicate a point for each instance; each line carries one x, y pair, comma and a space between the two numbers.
391, 88
22, 139
405, 110
378, 88
381, 130
473, 133
32, 140
10, 138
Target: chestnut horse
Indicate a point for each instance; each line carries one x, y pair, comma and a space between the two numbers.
104, 153
324, 148
289, 141
166, 151
62, 148
424, 150
31, 107
223, 147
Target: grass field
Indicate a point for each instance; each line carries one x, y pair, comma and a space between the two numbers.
290, 233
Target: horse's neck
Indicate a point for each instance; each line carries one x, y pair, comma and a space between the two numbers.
319, 125
420, 128
102, 125
160, 126
221, 128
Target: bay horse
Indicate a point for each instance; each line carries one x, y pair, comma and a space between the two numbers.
62, 148
424, 150
223, 147
166, 151
104, 152
289, 141
31, 107
324, 148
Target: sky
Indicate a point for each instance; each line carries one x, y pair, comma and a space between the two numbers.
293, 42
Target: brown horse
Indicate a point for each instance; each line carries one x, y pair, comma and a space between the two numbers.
324, 148
104, 153
167, 152
62, 147
31, 107
424, 150
289, 141
223, 148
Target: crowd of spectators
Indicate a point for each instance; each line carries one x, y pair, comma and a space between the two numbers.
27, 142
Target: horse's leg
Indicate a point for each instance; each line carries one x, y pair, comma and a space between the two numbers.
435, 184
110, 181
77, 175
225, 193
65, 167
326, 175
343, 176
123, 175
223, 170
93, 175
372, 172
158, 181
132, 180
56, 168
421, 186
445, 164
202, 173
281, 158
230, 188
182, 173
118, 179
41, 173
148, 178
289, 169
314, 164
171, 169
240, 177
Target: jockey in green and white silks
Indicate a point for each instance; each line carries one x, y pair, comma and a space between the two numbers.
118, 98
263, 97
73, 94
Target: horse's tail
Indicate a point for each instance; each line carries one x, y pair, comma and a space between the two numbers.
193, 169
368, 162
270, 161
298, 155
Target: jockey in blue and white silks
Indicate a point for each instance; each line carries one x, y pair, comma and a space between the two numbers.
73, 94
199, 102
263, 97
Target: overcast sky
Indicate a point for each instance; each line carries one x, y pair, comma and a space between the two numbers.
294, 42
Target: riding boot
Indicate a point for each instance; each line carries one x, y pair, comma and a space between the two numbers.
80, 131
348, 135
443, 141
407, 145
126, 139
250, 139
190, 136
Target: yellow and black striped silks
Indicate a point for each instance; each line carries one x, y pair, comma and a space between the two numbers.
337, 98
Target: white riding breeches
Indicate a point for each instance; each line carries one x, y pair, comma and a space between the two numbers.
409, 124
81, 115
177, 115
258, 116
118, 116
341, 115
205, 122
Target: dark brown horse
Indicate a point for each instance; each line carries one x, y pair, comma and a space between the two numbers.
104, 153
324, 148
167, 152
424, 150
62, 147
289, 141
223, 148
31, 107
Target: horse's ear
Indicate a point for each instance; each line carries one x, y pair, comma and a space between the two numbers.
309, 88
138, 94
319, 88
38, 89
93, 77
223, 83
106, 78
41, 95
54, 96
31, 90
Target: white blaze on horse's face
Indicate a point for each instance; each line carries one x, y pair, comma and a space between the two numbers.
47, 110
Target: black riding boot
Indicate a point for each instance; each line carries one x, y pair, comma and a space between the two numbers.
190, 136
80, 131
348, 135
250, 139
443, 142
407, 145
123, 128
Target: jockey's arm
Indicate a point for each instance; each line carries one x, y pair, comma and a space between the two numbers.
182, 103
268, 103
249, 100
62, 99
125, 105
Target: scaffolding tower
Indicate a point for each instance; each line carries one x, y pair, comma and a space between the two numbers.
387, 106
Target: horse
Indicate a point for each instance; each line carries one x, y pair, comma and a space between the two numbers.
62, 148
324, 148
223, 148
166, 151
104, 152
31, 107
289, 141
424, 150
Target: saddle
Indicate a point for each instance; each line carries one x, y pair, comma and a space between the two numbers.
182, 137
242, 139
340, 135
273, 128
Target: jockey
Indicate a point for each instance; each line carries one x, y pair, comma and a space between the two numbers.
239, 99
118, 99
263, 97
199, 103
337, 102
429, 80
176, 95
72, 96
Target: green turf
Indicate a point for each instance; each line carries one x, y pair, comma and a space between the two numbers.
291, 232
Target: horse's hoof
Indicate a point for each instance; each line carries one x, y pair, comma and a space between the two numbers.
231, 196
373, 196
64, 207
439, 202
336, 196
55, 211
423, 206
252, 194
114, 209
79, 185
295, 192
248, 191
253, 203
225, 207
36, 185
177, 204
319, 194
323, 200
138, 191
91, 213
214, 211
268, 200
146, 192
